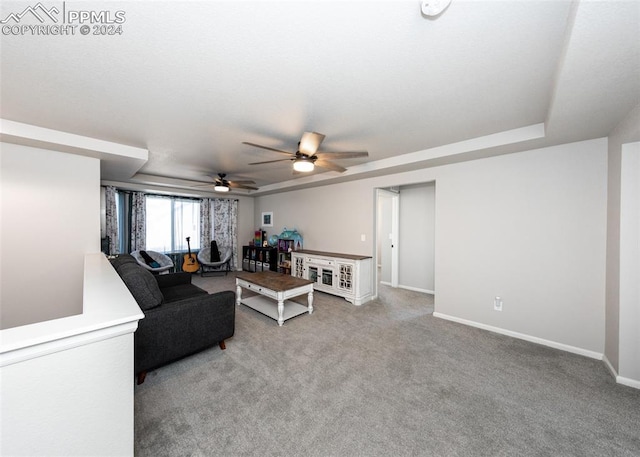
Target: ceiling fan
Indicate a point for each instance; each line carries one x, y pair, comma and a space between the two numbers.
222, 184
307, 157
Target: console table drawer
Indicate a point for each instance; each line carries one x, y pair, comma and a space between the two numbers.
258, 289
320, 262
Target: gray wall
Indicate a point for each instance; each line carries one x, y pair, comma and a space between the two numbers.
417, 237
50, 218
529, 227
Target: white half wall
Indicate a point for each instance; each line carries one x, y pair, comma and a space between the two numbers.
50, 217
529, 227
43, 415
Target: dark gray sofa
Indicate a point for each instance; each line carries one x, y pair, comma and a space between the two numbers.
180, 318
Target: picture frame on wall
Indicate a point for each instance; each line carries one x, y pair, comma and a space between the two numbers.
267, 219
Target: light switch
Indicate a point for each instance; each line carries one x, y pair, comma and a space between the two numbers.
363, 237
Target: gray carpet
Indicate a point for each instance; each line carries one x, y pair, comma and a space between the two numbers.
384, 379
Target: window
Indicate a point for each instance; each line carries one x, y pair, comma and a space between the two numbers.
170, 221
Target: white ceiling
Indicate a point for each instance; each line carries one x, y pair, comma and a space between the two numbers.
190, 81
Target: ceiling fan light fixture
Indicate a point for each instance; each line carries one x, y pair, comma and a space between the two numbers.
303, 165
220, 187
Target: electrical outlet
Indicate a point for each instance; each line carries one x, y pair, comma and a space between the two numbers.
363, 237
497, 304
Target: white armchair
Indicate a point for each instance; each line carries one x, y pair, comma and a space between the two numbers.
207, 266
165, 263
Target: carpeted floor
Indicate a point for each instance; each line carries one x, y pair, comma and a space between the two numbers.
383, 379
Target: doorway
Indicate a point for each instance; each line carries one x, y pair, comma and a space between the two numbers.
405, 237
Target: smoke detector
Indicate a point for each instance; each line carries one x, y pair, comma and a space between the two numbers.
434, 7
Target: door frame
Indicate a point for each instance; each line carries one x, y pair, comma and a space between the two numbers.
395, 238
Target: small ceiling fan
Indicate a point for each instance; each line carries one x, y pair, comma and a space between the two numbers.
222, 184
307, 156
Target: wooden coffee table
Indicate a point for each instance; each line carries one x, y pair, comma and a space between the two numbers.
274, 286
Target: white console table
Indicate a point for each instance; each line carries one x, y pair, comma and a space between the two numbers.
345, 275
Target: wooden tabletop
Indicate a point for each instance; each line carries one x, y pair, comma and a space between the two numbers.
277, 282
334, 254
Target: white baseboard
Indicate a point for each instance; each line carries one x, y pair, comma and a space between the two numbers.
417, 289
620, 379
628, 382
522, 336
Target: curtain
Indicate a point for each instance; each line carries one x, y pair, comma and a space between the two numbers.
111, 228
225, 225
205, 223
138, 221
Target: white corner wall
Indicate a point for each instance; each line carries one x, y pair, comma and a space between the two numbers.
50, 217
627, 131
629, 326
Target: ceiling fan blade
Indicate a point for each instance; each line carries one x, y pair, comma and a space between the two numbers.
235, 185
342, 155
310, 142
269, 161
329, 165
243, 183
267, 148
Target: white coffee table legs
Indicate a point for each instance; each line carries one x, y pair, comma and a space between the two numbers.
238, 295
281, 300
280, 309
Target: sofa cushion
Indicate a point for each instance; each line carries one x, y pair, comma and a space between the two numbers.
180, 292
173, 279
142, 285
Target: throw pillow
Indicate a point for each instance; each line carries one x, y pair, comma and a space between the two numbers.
149, 260
142, 285
122, 259
215, 254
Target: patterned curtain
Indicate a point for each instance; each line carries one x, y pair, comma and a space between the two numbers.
225, 225
205, 223
138, 221
112, 219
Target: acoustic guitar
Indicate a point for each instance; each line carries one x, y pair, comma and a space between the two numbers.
190, 264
